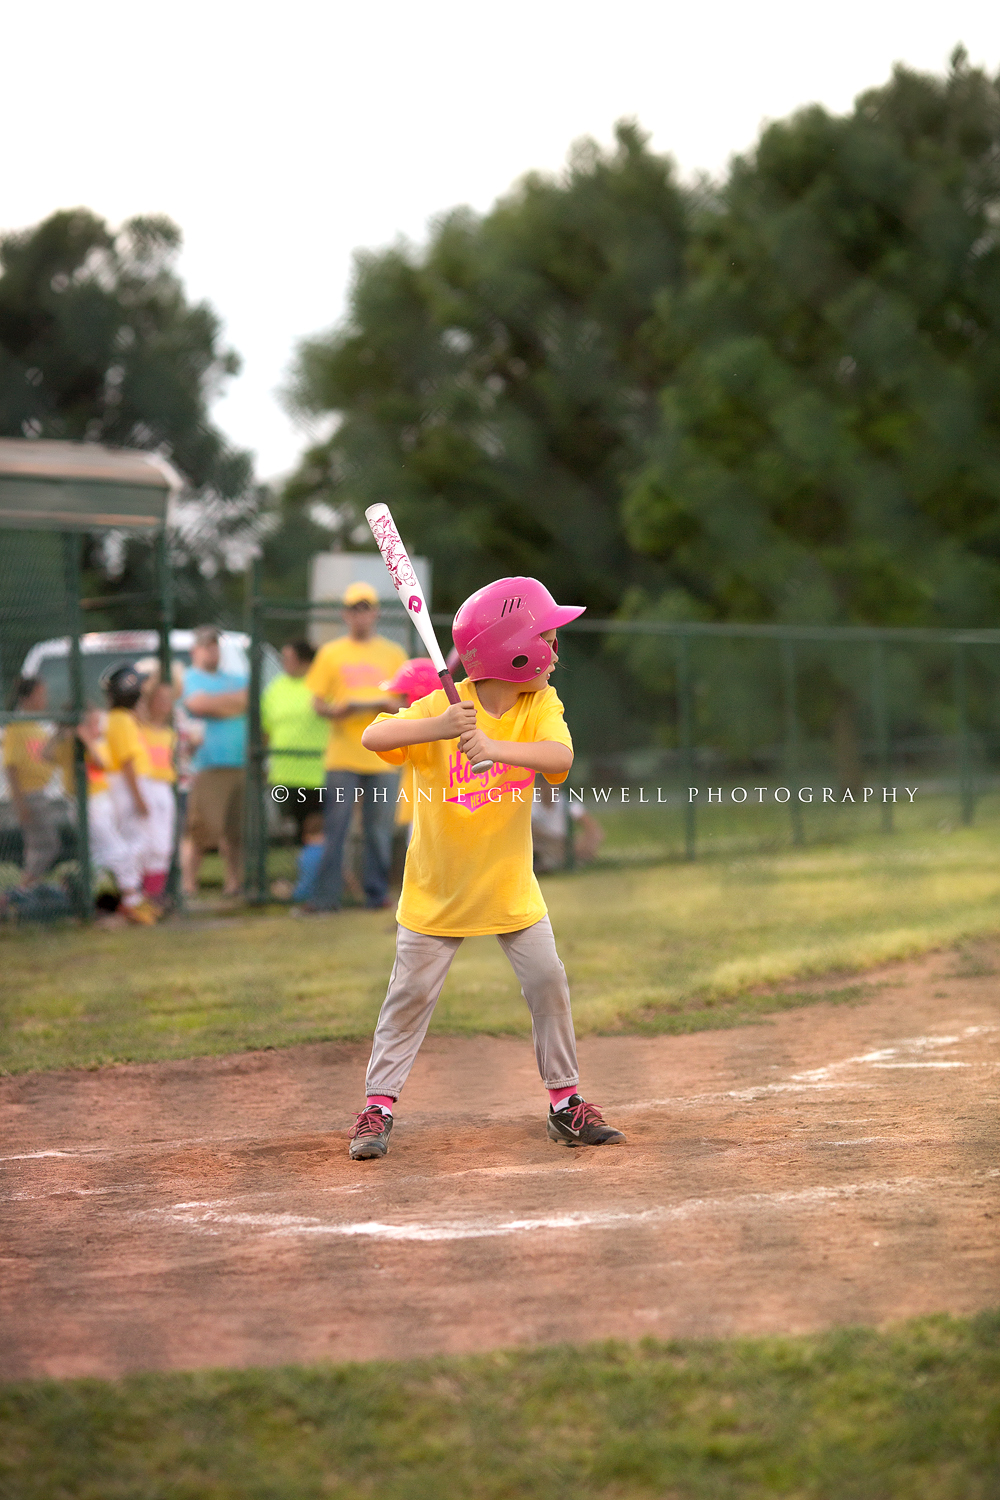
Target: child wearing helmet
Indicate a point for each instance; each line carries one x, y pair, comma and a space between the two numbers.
469, 868
414, 680
128, 766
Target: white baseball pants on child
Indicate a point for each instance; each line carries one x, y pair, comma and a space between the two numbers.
159, 846
133, 828
108, 850
420, 970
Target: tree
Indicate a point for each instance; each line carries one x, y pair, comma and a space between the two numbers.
494, 388
829, 442
99, 343
828, 449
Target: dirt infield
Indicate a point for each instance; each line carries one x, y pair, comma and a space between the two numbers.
836, 1164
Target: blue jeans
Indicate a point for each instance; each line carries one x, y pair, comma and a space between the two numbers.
378, 813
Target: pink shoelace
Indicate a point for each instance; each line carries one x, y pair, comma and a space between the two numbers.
370, 1121
584, 1114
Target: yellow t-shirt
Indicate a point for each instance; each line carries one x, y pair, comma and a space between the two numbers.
159, 741
97, 775
23, 745
345, 671
124, 743
468, 868
404, 796
97, 779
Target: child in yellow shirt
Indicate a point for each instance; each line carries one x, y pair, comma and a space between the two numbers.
128, 767
28, 774
158, 735
469, 868
415, 679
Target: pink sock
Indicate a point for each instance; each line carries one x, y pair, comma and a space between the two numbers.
384, 1101
154, 882
556, 1096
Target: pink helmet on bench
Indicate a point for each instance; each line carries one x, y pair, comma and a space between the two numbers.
498, 630
415, 679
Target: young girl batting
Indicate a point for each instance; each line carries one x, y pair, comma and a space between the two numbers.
468, 868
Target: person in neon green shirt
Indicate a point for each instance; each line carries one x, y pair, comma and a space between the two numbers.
290, 722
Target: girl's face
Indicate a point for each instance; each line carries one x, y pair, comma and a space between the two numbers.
542, 680
161, 702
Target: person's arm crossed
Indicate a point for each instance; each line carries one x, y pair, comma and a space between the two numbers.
218, 705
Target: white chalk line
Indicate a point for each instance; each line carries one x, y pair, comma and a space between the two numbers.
36, 1155
812, 1080
864, 1140
205, 1218
355, 1187
154, 1148
827, 1078
141, 1148
79, 1192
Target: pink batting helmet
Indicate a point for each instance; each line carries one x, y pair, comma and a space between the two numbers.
498, 629
415, 679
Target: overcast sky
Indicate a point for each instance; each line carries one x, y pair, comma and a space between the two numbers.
282, 137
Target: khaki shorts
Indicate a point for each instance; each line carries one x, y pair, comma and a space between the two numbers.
215, 807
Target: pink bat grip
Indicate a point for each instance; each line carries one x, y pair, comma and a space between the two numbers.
451, 692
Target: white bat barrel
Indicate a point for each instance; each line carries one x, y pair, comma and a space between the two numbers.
407, 586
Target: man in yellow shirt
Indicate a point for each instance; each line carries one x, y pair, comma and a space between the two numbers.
28, 774
345, 680
468, 869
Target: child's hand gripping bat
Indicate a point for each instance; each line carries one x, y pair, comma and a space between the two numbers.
411, 595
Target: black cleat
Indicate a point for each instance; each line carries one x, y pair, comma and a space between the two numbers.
580, 1124
370, 1136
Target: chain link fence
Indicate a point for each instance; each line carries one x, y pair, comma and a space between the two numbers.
695, 738
690, 738
44, 624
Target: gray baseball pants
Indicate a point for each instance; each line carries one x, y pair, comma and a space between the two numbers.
40, 833
417, 977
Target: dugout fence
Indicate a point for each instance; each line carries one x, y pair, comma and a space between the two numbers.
695, 737
53, 497
272, 619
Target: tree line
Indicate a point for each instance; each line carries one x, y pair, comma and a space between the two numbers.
770, 398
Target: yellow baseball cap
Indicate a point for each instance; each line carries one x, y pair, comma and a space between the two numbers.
360, 593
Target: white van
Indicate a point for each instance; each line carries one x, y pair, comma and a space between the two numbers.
106, 648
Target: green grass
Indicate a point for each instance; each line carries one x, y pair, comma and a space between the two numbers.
650, 945
911, 1413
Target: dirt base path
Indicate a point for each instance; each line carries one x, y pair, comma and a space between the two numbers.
835, 1165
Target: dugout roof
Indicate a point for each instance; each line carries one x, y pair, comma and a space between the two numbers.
62, 486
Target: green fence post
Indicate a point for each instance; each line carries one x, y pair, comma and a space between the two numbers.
71, 543
165, 589
685, 715
966, 794
569, 862
880, 713
255, 811
792, 737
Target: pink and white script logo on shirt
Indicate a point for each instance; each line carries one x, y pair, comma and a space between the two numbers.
486, 790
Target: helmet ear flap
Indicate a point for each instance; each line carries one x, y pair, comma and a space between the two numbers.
520, 661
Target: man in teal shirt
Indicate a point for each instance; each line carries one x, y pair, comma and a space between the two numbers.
214, 815
290, 722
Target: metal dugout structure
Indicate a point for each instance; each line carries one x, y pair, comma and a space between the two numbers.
53, 494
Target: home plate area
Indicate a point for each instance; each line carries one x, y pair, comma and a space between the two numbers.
833, 1165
